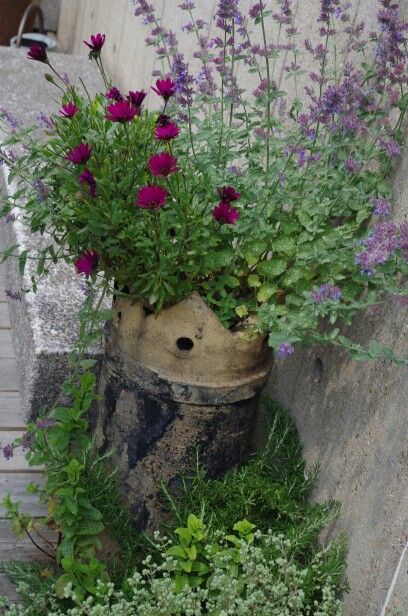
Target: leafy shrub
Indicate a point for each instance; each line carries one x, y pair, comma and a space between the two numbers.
205, 561
247, 573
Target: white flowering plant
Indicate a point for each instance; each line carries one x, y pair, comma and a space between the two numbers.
247, 573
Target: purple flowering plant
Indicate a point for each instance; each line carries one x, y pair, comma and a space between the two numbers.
271, 200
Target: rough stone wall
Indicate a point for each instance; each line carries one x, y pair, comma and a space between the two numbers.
352, 417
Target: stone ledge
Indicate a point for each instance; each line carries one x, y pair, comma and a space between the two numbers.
44, 324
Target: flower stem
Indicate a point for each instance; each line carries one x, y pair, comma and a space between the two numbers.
268, 106
222, 102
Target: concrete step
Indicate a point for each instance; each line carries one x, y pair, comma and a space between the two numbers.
44, 324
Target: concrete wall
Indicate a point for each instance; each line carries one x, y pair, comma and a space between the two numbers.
130, 62
51, 9
353, 418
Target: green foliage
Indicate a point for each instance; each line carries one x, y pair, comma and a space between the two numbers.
256, 576
205, 544
271, 490
303, 214
59, 442
189, 568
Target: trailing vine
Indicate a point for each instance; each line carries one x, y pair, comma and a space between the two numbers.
60, 443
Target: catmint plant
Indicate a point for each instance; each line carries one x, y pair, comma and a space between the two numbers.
268, 203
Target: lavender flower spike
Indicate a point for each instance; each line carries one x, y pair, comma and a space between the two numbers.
284, 350
8, 451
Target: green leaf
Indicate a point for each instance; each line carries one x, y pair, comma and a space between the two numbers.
253, 281
22, 260
192, 552
186, 565
242, 310
272, 268
265, 292
5, 254
284, 245
176, 550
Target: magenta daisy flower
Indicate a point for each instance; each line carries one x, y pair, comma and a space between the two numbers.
167, 132
86, 177
122, 111
165, 88
151, 197
137, 98
69, 110
37, 52
80, 155
95, 45
162, 165
114, 95
228, 194
225, 214
87, 263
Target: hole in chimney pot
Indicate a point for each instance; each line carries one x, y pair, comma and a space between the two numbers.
184, 344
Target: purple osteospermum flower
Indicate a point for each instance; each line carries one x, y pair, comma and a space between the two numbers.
8, 452
326, 292
165, 88
285, 349
123, 111
167, 132
114, 95
87, 263
37, 52
96, 44
12, 294
163, 164
151, 197
44, 423
80, 155
9, 218
381, 207
228, 194
137, 98
188, 5
86, 177
69, 110
224, 214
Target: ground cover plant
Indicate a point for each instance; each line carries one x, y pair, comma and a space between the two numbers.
210, 558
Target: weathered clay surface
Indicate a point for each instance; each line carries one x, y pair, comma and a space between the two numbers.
159, 403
